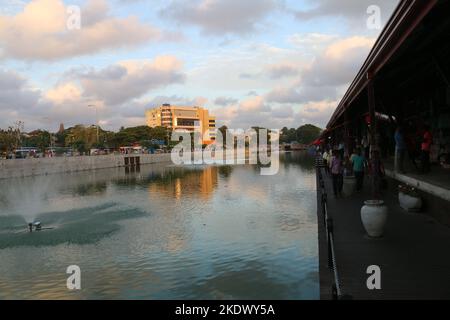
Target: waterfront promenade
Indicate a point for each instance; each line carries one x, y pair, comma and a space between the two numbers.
413, 254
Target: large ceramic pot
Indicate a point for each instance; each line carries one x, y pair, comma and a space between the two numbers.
349, 185
409, 203
374, 216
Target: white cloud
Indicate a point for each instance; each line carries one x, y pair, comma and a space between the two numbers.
224, 101
128, 80
254, 111
339, 63
328, 73
317, 112
219, 17
281, 70
16, 93
115, 90
40, 31
177, 100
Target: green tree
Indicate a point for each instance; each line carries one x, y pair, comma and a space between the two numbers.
307, 133
38, 138
9, 139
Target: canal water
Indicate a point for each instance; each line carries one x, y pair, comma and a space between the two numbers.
163, 232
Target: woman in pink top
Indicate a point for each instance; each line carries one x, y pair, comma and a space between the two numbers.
337, 169
426, 146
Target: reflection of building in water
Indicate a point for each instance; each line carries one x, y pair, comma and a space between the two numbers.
208, 180
177, 184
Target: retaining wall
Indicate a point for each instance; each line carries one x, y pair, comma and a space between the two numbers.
42, 166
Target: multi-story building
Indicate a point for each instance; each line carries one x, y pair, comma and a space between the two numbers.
183, 118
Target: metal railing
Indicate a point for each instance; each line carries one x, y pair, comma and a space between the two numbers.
328, 223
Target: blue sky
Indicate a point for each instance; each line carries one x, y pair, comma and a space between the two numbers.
272, 63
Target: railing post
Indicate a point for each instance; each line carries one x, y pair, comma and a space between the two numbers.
334, 292
329, 234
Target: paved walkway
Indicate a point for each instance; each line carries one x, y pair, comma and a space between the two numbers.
437, 176
414, 254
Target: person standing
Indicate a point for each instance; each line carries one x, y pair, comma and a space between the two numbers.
400, 150
376, 169
366, 146
358, 162
325, 161
411, 145
341, 148
336, 173
426, 147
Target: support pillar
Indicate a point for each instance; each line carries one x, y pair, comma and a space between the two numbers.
373, 123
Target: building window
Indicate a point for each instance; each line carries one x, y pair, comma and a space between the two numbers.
186, 122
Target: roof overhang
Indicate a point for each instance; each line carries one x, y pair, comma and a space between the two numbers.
404, 20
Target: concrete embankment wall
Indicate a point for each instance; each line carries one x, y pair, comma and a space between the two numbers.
43, 166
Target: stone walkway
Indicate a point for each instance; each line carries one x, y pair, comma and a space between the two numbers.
414, 254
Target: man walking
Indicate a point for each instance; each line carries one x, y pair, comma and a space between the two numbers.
358, 162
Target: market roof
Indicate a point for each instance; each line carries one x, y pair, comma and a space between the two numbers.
405, 19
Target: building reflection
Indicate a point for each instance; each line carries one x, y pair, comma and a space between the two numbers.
186, 183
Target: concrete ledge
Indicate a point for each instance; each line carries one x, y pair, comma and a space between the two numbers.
42, 166
420, 185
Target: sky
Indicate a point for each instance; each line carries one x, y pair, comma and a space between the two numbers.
270, 63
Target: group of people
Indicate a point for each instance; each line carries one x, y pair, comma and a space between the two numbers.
406, 143
337, 165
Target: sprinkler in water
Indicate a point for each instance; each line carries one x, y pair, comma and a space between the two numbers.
37, 226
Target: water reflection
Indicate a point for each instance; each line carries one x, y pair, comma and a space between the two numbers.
165, 232
177, 182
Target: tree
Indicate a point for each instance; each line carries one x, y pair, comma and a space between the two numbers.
308, 133
38, 138
288, 135
85, 136
9, 139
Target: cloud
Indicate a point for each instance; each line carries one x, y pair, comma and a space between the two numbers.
115, 90
253, 111
301, 94
20, 101
353, 12
248, 76
40, 31
224, 101
317, 112
311, 41
15, 92
128, 80
339, 63
283, 70
328, 73
220, 17
64, 93
176, 100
